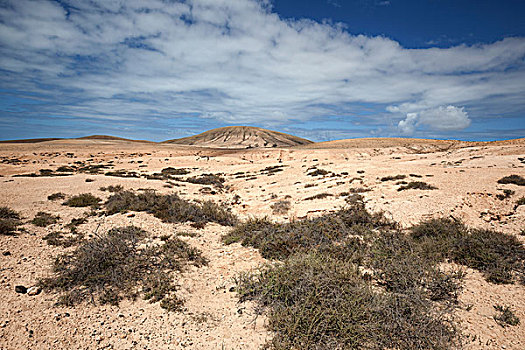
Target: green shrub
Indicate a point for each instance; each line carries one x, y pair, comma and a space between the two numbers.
83, 200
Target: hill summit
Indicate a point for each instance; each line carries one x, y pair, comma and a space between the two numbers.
241, 137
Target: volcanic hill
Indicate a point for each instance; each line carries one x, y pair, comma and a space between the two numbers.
241, 137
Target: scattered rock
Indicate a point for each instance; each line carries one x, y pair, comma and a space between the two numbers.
35, 290
21, 289
6, 253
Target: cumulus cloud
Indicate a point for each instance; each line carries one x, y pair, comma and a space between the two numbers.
449, 118
237, 61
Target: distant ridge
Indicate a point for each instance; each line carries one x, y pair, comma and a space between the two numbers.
91, 137
242, 137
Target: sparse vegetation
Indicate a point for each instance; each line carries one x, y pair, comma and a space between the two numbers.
391, 178
318, 172
116, 266
57, 238
505, 316
9, 221
512, 179
318, 196
169, 208
500, 257
112, 188
348, 279
416, 185
281, 207
506, 194
43, 219
55, 196
207, 179
174, 171
83, 200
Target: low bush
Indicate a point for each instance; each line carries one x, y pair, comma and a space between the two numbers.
393, 177
118, 265
505, 316
318, 172
83, 200
112, 188
169, 208
57, 238
207, 179
512, 179
416, 185
55, 196
9, 221
281, 207
318, 196
43, 219
500, 257
174, 171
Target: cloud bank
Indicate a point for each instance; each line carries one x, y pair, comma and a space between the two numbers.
238, 62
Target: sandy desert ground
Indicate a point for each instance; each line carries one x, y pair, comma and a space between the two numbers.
465, 175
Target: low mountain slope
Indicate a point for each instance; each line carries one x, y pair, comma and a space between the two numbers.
242, 137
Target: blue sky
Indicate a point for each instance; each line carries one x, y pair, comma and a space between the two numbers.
321, 69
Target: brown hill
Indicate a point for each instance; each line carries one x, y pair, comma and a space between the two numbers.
241, 137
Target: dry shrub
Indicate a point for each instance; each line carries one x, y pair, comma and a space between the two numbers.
174, 171
318, 196
505, 317
281, 207
169, 208
352, 280
83, 200
113, 189
118, 265
43, 219
9, 221
500, 257
55, 196
393, 177
512, 179
417, 185
207, 179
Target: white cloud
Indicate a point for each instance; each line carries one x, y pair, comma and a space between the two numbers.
449, 118
236, 60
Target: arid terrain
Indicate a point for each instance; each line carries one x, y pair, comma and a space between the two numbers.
315, 179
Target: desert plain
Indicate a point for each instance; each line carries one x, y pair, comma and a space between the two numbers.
465, 176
